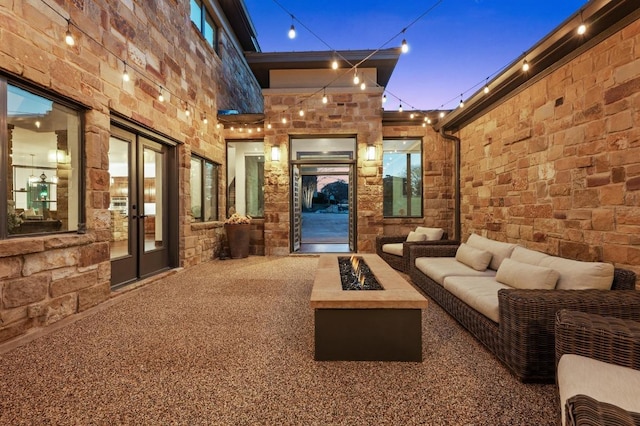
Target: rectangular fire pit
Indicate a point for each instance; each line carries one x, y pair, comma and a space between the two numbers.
376, 325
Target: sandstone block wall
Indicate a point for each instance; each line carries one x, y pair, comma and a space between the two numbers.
43, 279
557, 167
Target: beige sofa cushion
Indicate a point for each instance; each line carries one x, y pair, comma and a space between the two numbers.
438, 268
393, 248
431, 233
577, 275
473, 257
600, 380
416, 236
574, 274
499, 250
480, 293
523, 275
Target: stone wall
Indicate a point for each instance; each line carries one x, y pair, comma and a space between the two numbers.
437, 181
557, 167
348, 113
44, 279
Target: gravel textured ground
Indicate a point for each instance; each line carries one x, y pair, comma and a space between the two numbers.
231, 343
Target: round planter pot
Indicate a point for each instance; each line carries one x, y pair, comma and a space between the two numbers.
238, 237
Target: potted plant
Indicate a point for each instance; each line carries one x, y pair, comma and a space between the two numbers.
238, 229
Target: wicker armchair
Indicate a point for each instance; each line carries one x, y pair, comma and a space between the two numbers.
524, 339
605, 339
401, 263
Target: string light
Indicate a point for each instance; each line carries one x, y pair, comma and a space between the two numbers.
301, 113
68, 38
404, 46
363, 86
205, 120
186, 110
384, 98
324, 98
525, 66
582, 28
125, 74
268, 125
400, 107
412, 116
160, 95
284, 120
292, 30
334, 64
461, 105
356, 79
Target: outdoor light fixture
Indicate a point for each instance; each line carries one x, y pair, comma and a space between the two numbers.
334, 64
461, 101
400, 107
205, 120
324, 98
301, 113
405, 46
160, 95
525, 66
384, 98
125, 74
275, 153
363, 86
582, 29
292, 30
68, 38
486, 89
284, 120
371, 152
356, 79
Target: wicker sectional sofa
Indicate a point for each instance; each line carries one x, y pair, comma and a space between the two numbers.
517, 324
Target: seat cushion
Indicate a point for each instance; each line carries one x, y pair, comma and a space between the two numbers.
610, 383
480, 293
393, 248
523, 275
438, 268
498, 249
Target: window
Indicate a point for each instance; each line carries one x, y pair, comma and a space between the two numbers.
245, 178
402, 182
204, 189
42, 169
201, 17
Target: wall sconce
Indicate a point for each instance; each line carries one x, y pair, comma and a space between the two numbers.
371, 152
275, 153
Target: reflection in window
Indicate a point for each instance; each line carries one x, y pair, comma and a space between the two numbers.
43, 139
245, 178
204, 189
402, 182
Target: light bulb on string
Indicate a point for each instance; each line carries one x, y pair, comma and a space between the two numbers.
268, 125
363, 86
284, 120
525, 66
400, 107
160, 95
292, 30
125, 74
205, 120
582, 28
412, 116
486, 89
356, 79
301, 113
186, 110
461, 105
68, 38
384, 98
334, 64
324, 98
442, 113
404, 47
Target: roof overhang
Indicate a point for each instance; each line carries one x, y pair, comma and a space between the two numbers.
384, 61
239, 19
603, 18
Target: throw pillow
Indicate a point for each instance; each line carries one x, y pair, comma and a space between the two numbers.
523, 275
433, 234
499, 250
473, 257
416, 236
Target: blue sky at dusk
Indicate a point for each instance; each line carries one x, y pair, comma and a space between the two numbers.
454, 48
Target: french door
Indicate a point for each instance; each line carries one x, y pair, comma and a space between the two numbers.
140, 216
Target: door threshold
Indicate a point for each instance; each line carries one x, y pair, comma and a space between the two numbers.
323, 248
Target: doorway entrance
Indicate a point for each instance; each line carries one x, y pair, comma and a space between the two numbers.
142, 231
323, 217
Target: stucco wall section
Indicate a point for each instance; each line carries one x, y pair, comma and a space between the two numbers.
556, 168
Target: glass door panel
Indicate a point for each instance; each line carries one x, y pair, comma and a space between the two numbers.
152, 208
119, 160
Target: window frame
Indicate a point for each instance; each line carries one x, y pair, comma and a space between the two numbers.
228, 205
407, 180
4, 148
215, 187
205, 18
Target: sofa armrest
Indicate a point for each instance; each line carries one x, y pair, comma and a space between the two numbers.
425, 250
604, 338
388, 239
527, 320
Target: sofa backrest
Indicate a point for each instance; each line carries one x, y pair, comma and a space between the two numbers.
574, 274
498, 249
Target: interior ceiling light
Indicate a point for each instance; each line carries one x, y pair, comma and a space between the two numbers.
525, 65
68, 38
